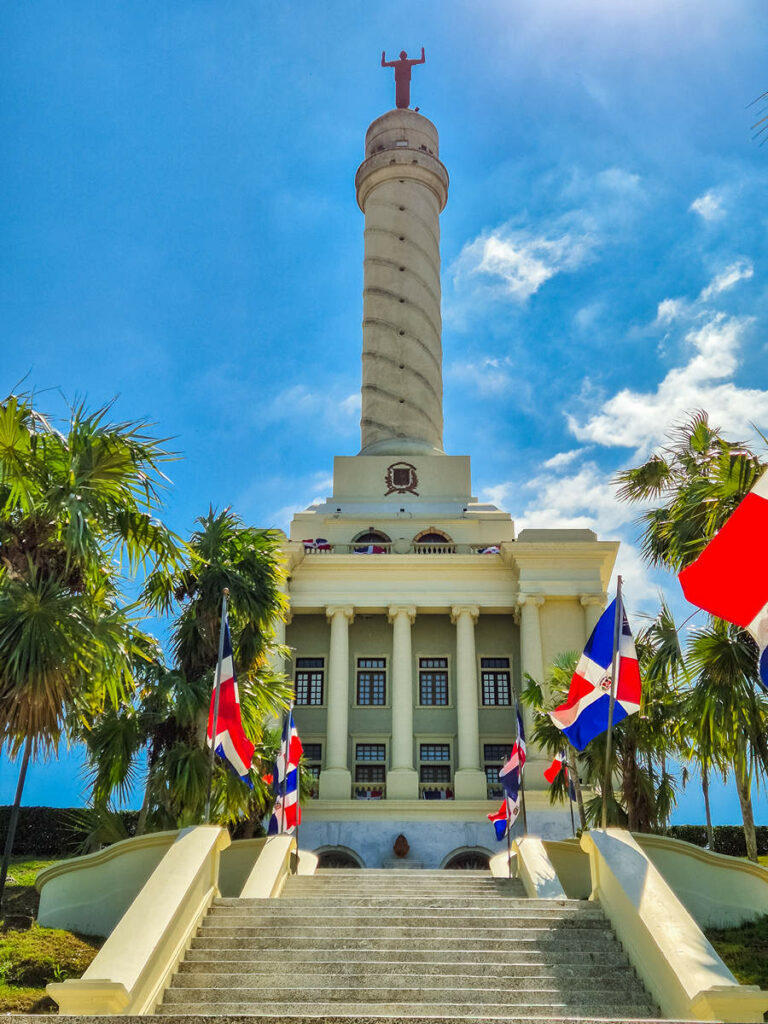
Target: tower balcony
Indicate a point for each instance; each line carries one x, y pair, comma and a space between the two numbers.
322, 547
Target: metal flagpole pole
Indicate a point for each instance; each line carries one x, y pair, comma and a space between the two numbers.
520, 770
509, 837
286, 741
617, 621
570, 798
216, 698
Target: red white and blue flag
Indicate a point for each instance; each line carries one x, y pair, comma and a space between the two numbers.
369, 549
585, 714
232, 745
511, 779
729, 579
559, 764
286, 814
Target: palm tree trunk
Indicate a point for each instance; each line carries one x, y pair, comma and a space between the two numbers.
629, 786
14, 818
745, 799
707, 809
573, 772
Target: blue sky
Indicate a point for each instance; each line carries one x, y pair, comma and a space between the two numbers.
179, 228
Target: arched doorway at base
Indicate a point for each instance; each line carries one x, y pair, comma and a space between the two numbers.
467, 859
337, 857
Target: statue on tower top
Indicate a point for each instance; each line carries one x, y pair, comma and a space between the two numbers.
402, 68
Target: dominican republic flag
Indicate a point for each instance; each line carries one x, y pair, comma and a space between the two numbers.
511, 775
232, 745
285, 782
505, 817
559, 764
554, 769
316, 544
729, 579
369, 549
585, 714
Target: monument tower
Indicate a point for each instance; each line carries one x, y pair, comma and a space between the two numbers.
415, 610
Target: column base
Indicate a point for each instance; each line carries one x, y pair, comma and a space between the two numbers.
402, 784
470, 784
336, 784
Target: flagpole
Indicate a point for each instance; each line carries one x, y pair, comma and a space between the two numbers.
509, 838
570, 798
518, 719
617, 621
286, 740
216, 698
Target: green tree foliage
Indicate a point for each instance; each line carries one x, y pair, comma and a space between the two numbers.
691, 487
166, 720
77, 506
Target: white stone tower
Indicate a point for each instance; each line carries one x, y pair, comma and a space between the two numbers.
402, 187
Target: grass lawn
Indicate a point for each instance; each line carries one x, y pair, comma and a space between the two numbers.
744, 950
31, 956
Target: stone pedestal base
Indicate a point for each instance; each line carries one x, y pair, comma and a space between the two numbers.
402, 784
470, 784
335, 784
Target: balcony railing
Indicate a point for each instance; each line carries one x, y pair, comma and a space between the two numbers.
323, 547
436, 791
369, 791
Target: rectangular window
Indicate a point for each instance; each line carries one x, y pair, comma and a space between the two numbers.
494, 756
370, 771
313, 758
433, 681
435, 771
372, 681
309, 681
495, 680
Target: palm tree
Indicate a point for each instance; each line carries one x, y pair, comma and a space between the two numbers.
166, 721
695, 482
74, 505
731, 712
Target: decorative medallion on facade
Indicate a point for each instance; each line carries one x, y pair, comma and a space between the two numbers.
401, 478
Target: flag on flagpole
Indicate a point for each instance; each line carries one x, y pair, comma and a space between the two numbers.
286, 814
511, 779
729, 579
231, 744
553, 771
584, 715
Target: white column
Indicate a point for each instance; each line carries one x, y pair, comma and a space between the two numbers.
532, 664
593, 605
402, 779
277, 661
336, 778
469, 779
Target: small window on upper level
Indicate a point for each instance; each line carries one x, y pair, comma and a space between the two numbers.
309, 680
495, 678
433, 542
372, 542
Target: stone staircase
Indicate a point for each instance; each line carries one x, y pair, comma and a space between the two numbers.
358, 945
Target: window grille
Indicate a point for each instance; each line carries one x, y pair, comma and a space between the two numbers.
309, 681
372, 681
495, 681
433, 681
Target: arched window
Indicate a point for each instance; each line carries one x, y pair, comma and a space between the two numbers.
338, 857
371, 542
468, 860
433, 542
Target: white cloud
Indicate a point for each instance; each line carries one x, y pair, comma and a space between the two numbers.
564, 458
515, 263
709, 206
639, 420
488, 375
330, 410
741, 270
670, 310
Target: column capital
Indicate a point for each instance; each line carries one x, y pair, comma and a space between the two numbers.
459, 610
347, 610
593, 599
534, 600
401, 609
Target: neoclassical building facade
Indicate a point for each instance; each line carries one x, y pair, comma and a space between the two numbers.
415, 610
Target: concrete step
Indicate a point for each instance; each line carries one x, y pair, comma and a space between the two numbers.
594, 996
386, 918
375, 946
402, 970
369, 978
286, 910
570, 932
543, 955
171, 1016
506, 903
449, 1011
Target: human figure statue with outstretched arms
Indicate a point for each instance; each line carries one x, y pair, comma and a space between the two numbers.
402, 68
